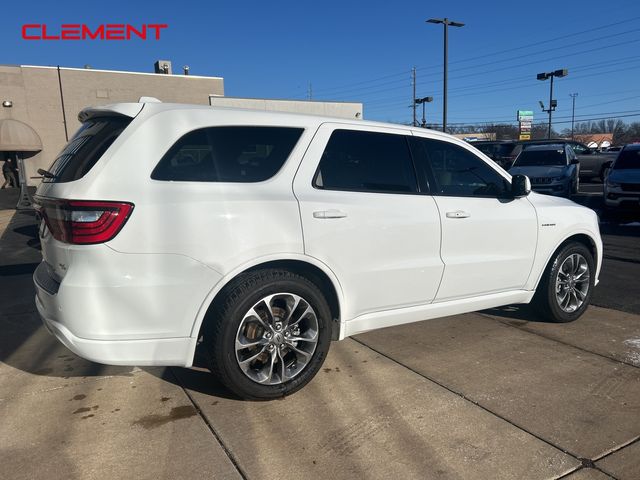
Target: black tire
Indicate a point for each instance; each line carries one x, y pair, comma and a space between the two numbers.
603, 174
545, 300
224, 320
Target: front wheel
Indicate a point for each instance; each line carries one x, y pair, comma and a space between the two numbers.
565, 289
269, 334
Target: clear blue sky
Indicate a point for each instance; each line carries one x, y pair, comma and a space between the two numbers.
364, 51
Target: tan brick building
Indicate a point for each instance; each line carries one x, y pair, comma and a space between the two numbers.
48, 99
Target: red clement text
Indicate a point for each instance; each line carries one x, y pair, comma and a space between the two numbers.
80, 31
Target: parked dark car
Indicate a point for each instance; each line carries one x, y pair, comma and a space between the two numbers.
500, 151
553, 168
622, 185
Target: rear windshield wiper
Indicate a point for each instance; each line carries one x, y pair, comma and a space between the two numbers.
46, 173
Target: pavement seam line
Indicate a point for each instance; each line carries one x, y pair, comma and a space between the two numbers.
504, 322
212, 429
617, 449
567, 475
470, 400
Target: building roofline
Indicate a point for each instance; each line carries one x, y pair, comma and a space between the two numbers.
284, 99
114, 71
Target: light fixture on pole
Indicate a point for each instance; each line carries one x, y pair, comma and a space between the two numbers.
446, 22
563, 72
423, 101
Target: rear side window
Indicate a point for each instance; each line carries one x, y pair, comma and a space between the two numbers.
228, 154
366, 162
85, 148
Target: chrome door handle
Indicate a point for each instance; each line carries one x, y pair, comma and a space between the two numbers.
329, 214
458, 214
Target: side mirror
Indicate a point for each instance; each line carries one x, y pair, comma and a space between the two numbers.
520, 186
575, 161
606, 169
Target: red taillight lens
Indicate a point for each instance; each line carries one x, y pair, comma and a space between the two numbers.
83, 222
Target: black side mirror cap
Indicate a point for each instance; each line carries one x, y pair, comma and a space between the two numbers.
575, 161
520, 186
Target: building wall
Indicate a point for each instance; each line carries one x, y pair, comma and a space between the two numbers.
353, 110
37, 100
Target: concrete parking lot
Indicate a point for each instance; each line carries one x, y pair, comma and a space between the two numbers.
488, 395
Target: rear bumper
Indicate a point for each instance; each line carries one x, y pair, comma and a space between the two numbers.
125, 309
163, 351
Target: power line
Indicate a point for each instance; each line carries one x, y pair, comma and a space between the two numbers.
491, 54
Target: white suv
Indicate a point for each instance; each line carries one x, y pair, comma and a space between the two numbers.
260, 237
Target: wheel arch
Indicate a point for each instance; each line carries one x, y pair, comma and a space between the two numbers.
309, 267
580, 237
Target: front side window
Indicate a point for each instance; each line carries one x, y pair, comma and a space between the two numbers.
228, 154
452, 170
366, 162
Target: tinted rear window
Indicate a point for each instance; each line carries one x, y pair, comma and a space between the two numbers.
228, 154
85, 148
629, 158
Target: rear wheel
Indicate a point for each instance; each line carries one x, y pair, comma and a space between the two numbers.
565, 289
269, 335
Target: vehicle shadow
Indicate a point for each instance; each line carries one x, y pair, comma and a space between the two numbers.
25, 345
520, 313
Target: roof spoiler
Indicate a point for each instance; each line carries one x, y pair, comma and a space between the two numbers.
120, 109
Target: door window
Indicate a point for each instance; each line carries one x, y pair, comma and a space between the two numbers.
366, 162
454, 171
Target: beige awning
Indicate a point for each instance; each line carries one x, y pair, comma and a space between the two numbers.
17, 136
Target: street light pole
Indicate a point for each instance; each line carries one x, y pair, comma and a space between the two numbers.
573, 111
423, 101
446, 22
563, 72
550, 105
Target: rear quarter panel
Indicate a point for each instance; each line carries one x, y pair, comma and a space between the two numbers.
219, 224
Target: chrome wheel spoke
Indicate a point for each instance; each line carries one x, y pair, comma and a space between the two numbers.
303, 315
269, 375
240, 345
276, 338
283, 367
253, 314
292, 308
299, 351
304, 339
580, 296
572, 283
244, 364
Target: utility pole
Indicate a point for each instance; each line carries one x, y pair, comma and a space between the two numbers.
446, 22
310, 91
573, 110
413, 83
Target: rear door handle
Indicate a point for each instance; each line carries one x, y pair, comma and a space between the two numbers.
329, 214
458, 214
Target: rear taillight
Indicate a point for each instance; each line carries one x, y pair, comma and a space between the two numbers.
83, 222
